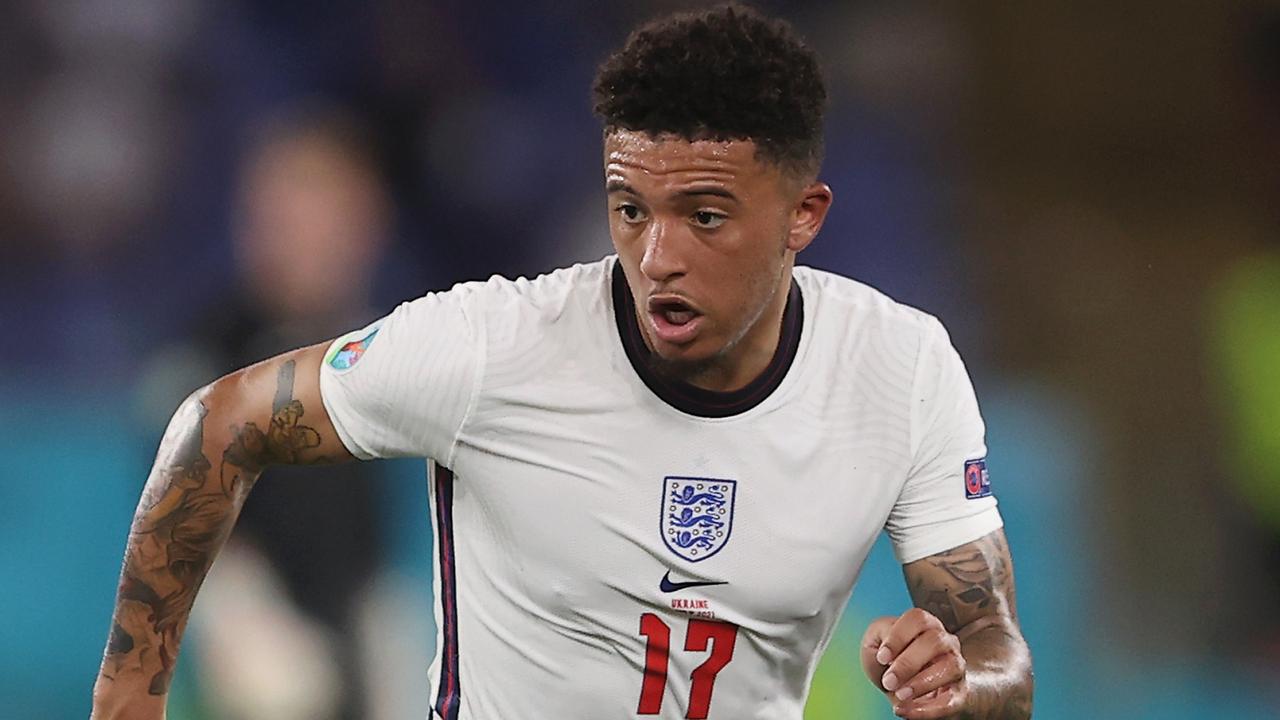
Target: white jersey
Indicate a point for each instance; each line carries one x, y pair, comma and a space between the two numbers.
614, 545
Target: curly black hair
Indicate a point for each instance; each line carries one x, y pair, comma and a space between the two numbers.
727, 73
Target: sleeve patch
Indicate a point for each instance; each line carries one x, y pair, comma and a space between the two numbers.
346, 352
977, 484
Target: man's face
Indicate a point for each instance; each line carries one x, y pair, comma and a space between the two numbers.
707, 235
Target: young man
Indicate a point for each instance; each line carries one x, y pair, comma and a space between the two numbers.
655, 477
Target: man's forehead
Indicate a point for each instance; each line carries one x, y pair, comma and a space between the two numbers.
629, 149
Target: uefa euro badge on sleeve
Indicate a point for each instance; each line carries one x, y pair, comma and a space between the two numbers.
697, 515
347, 351
976, 482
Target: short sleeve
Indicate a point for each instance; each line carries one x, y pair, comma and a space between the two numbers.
946, 500
402, 386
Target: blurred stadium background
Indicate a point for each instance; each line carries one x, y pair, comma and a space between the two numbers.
1084, 192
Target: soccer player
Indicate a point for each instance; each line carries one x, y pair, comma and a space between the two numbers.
654, 478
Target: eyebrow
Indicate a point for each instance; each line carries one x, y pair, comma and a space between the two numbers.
708, 190
620, 186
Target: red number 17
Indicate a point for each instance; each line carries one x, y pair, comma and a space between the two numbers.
721, 635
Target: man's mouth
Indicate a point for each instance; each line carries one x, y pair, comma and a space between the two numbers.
674, 320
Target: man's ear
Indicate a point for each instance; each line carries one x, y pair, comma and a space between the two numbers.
808, 214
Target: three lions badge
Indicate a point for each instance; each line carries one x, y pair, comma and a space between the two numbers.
697, 515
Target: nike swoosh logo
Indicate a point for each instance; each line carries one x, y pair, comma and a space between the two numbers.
667, 586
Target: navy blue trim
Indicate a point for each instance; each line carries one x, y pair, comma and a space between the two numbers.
449, 694
690, 398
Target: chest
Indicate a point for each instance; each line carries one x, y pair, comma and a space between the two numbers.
766, 520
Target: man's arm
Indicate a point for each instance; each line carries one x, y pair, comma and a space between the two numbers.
216, 445
960, 653
971, 590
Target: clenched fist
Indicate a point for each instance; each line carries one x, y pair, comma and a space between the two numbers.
917, 663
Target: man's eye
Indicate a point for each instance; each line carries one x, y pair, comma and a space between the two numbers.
630, 213
708, 220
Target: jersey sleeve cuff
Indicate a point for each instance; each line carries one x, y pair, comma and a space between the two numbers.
943, 536
329, 392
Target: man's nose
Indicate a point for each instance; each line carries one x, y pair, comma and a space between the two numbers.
662, 258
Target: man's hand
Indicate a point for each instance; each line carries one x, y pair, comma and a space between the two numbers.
959, 653
917, 663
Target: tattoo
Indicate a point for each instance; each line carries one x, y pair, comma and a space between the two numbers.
966, 583
971, 590
120, 641
182, 521
283, 442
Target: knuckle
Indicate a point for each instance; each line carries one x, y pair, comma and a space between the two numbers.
952, 643
936, 640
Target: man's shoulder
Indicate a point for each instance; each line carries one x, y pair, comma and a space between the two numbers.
551, 284
551, 291
568, 299
857, 306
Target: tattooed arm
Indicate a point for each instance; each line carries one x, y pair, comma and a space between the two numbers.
959, 653
218, 442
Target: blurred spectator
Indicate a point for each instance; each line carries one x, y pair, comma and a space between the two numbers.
311, 226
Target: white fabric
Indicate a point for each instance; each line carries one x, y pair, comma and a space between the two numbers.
560, 453
408, 393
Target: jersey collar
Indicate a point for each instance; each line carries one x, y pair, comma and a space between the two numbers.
690, 398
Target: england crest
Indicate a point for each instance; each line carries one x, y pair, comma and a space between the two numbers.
697, 515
